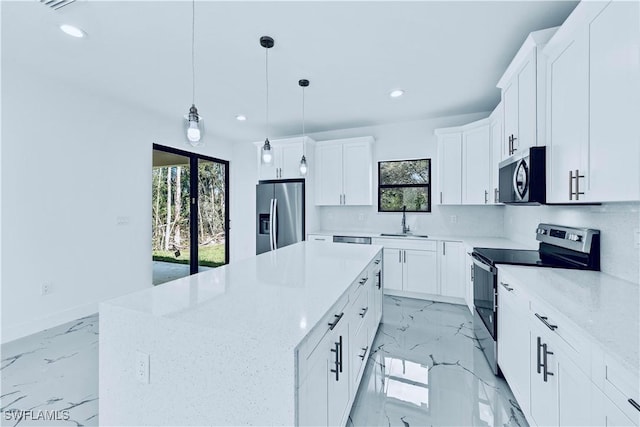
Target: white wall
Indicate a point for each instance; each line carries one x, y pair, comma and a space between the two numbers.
73, 161
392, 141
619, 225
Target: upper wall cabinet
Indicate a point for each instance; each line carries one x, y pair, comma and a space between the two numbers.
497, 148
286, 158
593, 104
344, 172
464, 164
522, 85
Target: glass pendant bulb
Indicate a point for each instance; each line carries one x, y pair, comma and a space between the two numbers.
267, 156
303, 165
194, 131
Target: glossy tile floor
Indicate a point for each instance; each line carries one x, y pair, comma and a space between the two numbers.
425, 369
53, 370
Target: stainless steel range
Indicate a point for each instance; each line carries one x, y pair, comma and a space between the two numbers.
560, 247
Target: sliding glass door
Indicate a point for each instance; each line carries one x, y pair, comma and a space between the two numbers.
190, 213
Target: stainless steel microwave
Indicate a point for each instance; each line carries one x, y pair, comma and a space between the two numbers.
522, 180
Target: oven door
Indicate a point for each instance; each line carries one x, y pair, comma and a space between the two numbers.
484, 294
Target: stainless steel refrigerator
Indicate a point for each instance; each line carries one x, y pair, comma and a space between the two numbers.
279, 214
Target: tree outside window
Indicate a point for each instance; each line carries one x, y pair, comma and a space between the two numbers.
404, 183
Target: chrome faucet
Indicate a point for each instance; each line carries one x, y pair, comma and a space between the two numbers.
405, 227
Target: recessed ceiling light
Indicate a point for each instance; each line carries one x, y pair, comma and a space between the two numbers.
72, 31
396, 93
241, 117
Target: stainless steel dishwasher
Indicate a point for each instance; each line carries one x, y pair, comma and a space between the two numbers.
352, 239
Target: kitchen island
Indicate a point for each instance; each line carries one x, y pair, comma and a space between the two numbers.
249, 343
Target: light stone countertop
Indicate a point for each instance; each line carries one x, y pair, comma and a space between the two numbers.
605, 307
249, 315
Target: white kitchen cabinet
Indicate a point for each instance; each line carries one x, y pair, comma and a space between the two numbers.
614, 104
286, 159
450, 168
344, 172
464, 164
514, 338
522, 88
420, 271
409, 266
575, 398
338, 401
452, 269
476, 164
544, 376
469, 280
320, 237
497, 149
314, 388
593, 101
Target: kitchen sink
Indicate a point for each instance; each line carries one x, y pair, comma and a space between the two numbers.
423, 236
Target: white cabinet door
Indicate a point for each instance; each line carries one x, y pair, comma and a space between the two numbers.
393, 268
450, 168
526, 136
452, 270
496, 151
574, 395
614, 100
544, 389
329, 174
313, 392
338, 383
357, 175
514, 342
420, 271
568, 111
510, 105
476, 166
469, 282
290, 155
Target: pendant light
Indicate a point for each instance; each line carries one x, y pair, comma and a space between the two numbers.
193, 121
303, 161
267, 43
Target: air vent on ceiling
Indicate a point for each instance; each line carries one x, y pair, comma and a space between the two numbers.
56, 4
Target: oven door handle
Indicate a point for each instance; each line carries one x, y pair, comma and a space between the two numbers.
486, 267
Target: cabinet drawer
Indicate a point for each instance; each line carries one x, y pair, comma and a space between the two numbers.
320, 238
621, 386
319, 333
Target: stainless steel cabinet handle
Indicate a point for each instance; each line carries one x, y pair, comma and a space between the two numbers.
363, 281
441, 197
364, 349
506, 286
376, 262
634, 404
336, 362
444, 248
399, 255
404, 256
570, 185
340, 341
486, 197
379, 279
335, 322
471, 272
364, 312
544, 319
545, 362
495, 195
578, 192
538, 347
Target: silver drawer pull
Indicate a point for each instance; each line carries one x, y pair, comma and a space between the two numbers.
506, 286
634, 404
363, 280
364, 311
544, 319
335, 322
364, 349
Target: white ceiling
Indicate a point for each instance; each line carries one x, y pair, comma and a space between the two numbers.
446, 55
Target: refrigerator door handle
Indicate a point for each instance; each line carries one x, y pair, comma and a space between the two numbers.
271, 225
275, 224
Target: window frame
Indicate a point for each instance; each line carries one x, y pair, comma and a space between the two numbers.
386, 186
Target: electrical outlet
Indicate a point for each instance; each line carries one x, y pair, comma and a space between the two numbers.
122, 220
46, 288
453, 219
142, 367
637, 237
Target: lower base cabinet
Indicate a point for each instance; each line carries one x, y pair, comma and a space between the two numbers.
330, 367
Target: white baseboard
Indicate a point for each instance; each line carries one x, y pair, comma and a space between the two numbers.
28, 328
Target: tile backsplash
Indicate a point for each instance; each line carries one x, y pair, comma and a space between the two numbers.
619, 225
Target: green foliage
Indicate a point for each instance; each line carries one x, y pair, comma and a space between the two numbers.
210, 256
404, 183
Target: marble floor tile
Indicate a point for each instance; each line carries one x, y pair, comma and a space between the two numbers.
426, 369
53, 370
